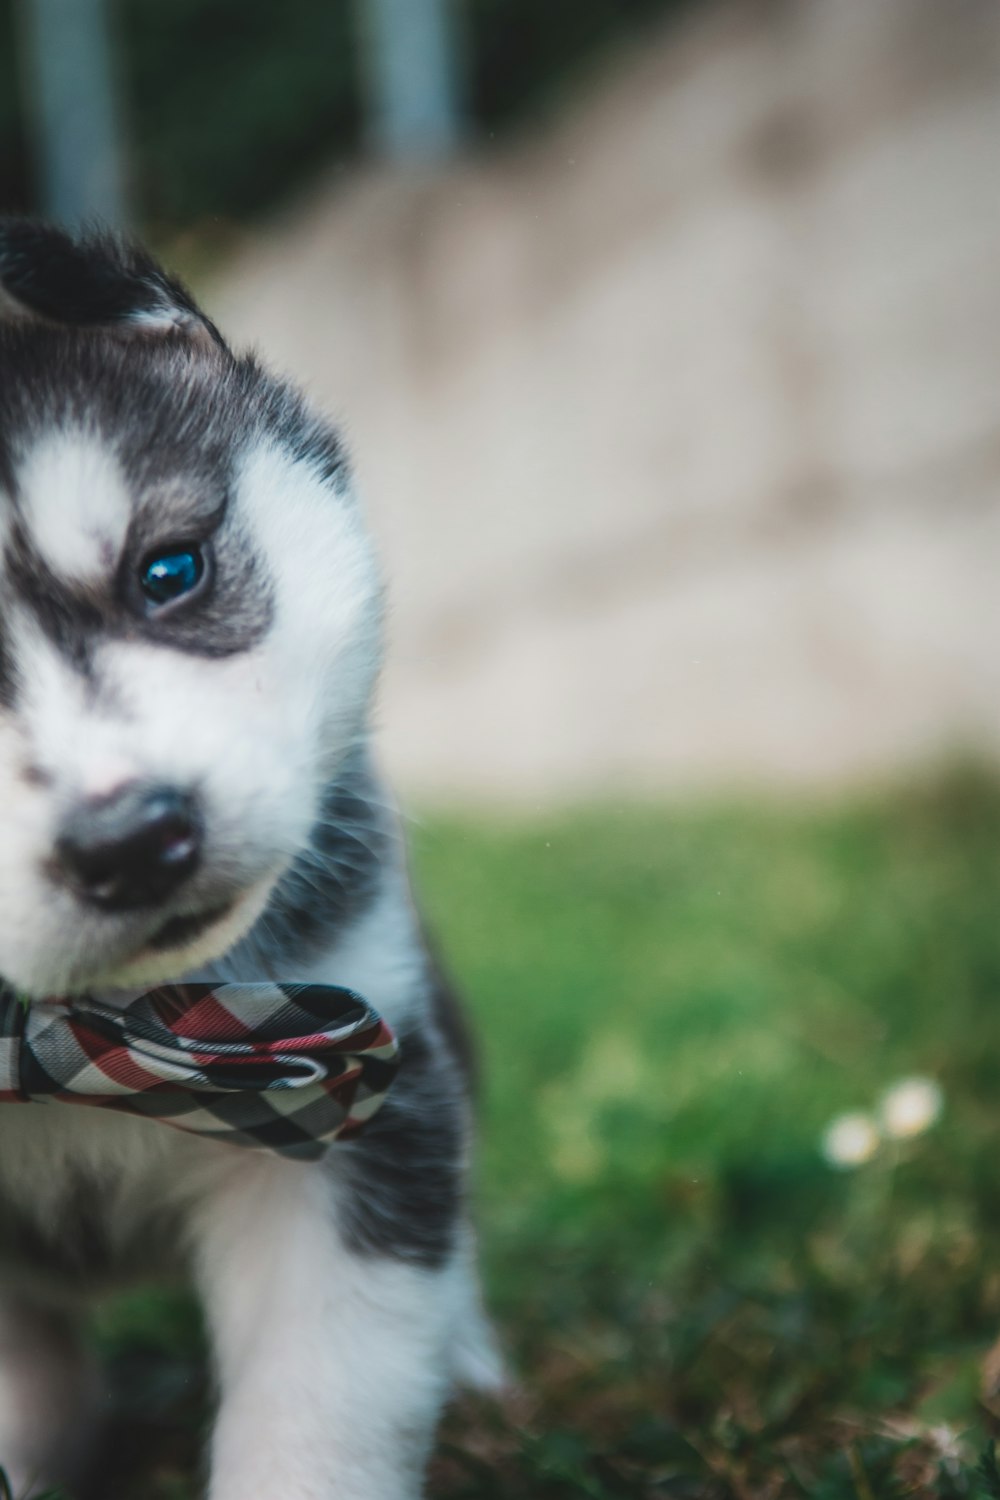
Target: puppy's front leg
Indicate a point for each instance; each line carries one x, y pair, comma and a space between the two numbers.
332, 1365
49, 1396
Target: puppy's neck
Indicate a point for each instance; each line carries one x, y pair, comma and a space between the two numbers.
330, 886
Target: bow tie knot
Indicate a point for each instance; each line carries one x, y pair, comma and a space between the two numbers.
282, 1067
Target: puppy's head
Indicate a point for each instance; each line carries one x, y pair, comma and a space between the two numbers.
189, 617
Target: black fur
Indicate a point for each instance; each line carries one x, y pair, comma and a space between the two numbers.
449, 1016
8, 674
95, 280
400, 1184
333, 880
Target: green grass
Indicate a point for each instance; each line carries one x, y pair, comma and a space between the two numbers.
673, 1003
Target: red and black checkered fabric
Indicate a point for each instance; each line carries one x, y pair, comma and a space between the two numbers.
280, 1067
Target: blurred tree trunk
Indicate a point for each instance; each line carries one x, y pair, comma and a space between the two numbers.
71, 110
412, 77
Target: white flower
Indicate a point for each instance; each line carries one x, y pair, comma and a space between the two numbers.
910, 1107
850, 1141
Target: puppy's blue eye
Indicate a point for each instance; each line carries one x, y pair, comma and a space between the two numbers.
171, 575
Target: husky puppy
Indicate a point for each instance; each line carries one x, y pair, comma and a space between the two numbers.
190, 612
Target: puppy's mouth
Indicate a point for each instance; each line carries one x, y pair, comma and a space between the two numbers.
190, 939
168, 946
178, 932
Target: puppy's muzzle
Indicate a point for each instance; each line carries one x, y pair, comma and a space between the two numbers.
132, 849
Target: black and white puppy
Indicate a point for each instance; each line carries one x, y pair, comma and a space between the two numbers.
340, 1296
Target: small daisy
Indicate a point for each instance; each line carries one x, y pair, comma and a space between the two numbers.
910, 1107
850, 1141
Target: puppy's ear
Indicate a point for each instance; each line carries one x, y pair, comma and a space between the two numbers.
96, 281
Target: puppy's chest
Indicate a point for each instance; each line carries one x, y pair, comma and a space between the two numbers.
85, 1246
79, 1205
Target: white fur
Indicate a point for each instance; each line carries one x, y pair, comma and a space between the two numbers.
332, 1368
325, 635
74, 493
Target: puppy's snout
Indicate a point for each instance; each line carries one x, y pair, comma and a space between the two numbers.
131, 849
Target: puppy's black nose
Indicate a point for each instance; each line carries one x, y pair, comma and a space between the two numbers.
132, 849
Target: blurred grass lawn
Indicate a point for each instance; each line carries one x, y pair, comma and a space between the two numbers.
672, 1003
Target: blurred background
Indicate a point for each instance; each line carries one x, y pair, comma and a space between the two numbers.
667, 337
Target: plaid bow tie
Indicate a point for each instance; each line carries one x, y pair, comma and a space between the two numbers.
284, 1067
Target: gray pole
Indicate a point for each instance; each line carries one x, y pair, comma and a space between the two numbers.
413, 81
71, 104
